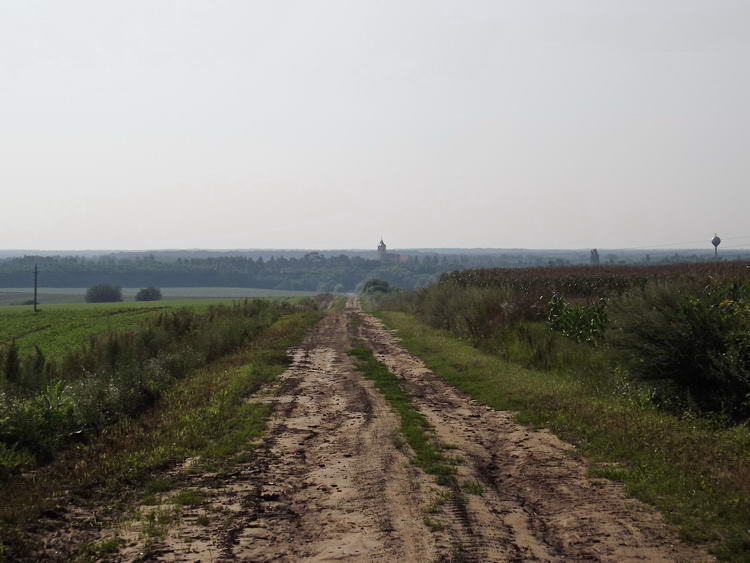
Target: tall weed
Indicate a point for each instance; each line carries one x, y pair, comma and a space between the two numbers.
693, 344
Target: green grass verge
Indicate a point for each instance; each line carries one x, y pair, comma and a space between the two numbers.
414, 426
204, 417
695, 473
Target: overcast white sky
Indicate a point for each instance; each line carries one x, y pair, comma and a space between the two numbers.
326, 124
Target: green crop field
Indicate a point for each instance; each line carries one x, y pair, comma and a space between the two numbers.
52, 295
58, 328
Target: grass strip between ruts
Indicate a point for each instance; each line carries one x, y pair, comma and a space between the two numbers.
696, 474
414, 426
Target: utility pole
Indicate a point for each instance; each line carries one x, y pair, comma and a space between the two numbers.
36, 277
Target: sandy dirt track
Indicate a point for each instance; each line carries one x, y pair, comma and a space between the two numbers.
332, 480
539, 503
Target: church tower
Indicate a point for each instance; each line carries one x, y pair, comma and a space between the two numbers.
381, 250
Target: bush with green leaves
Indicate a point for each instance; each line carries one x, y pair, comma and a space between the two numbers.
149, 293
581, 322
680, 334
692, 342
104, 293
376, 285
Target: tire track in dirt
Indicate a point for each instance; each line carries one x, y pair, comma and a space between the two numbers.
327, 483
538, 502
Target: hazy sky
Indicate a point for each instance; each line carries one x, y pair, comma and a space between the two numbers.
326, 124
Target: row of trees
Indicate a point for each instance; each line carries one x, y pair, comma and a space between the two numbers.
312, 274
108, 293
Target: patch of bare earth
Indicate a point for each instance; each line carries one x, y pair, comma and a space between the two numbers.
538, 503
328, 483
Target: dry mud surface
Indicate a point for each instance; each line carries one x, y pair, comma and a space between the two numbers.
333, 481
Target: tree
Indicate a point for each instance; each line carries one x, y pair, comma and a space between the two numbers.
149, 293
376, 285
104, 293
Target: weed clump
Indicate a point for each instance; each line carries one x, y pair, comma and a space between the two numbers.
694, 347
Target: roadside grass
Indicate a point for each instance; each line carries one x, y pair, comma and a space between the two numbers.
156, 523
433, 525
99, 550
189, 497
695, 472
204, 417
472, 488
414, 426
439, 500
338, 303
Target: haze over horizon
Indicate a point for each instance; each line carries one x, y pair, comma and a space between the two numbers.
231, 124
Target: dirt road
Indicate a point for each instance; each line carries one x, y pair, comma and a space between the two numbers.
333, 481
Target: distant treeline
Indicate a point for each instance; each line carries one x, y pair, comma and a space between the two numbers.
313, 271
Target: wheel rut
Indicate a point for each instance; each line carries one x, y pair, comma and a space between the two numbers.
327, 483
537, 500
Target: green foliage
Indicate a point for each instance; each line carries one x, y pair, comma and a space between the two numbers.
150, 293
104, 293
314, 272
695, 342
58, 329
595, 281
156, 522
472, 487
101, 549
534, 345
114, 375
13, 459
475, 313
189, 497
11, 364
205, 417
376, 285
317, 272
682, 332
581, 322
